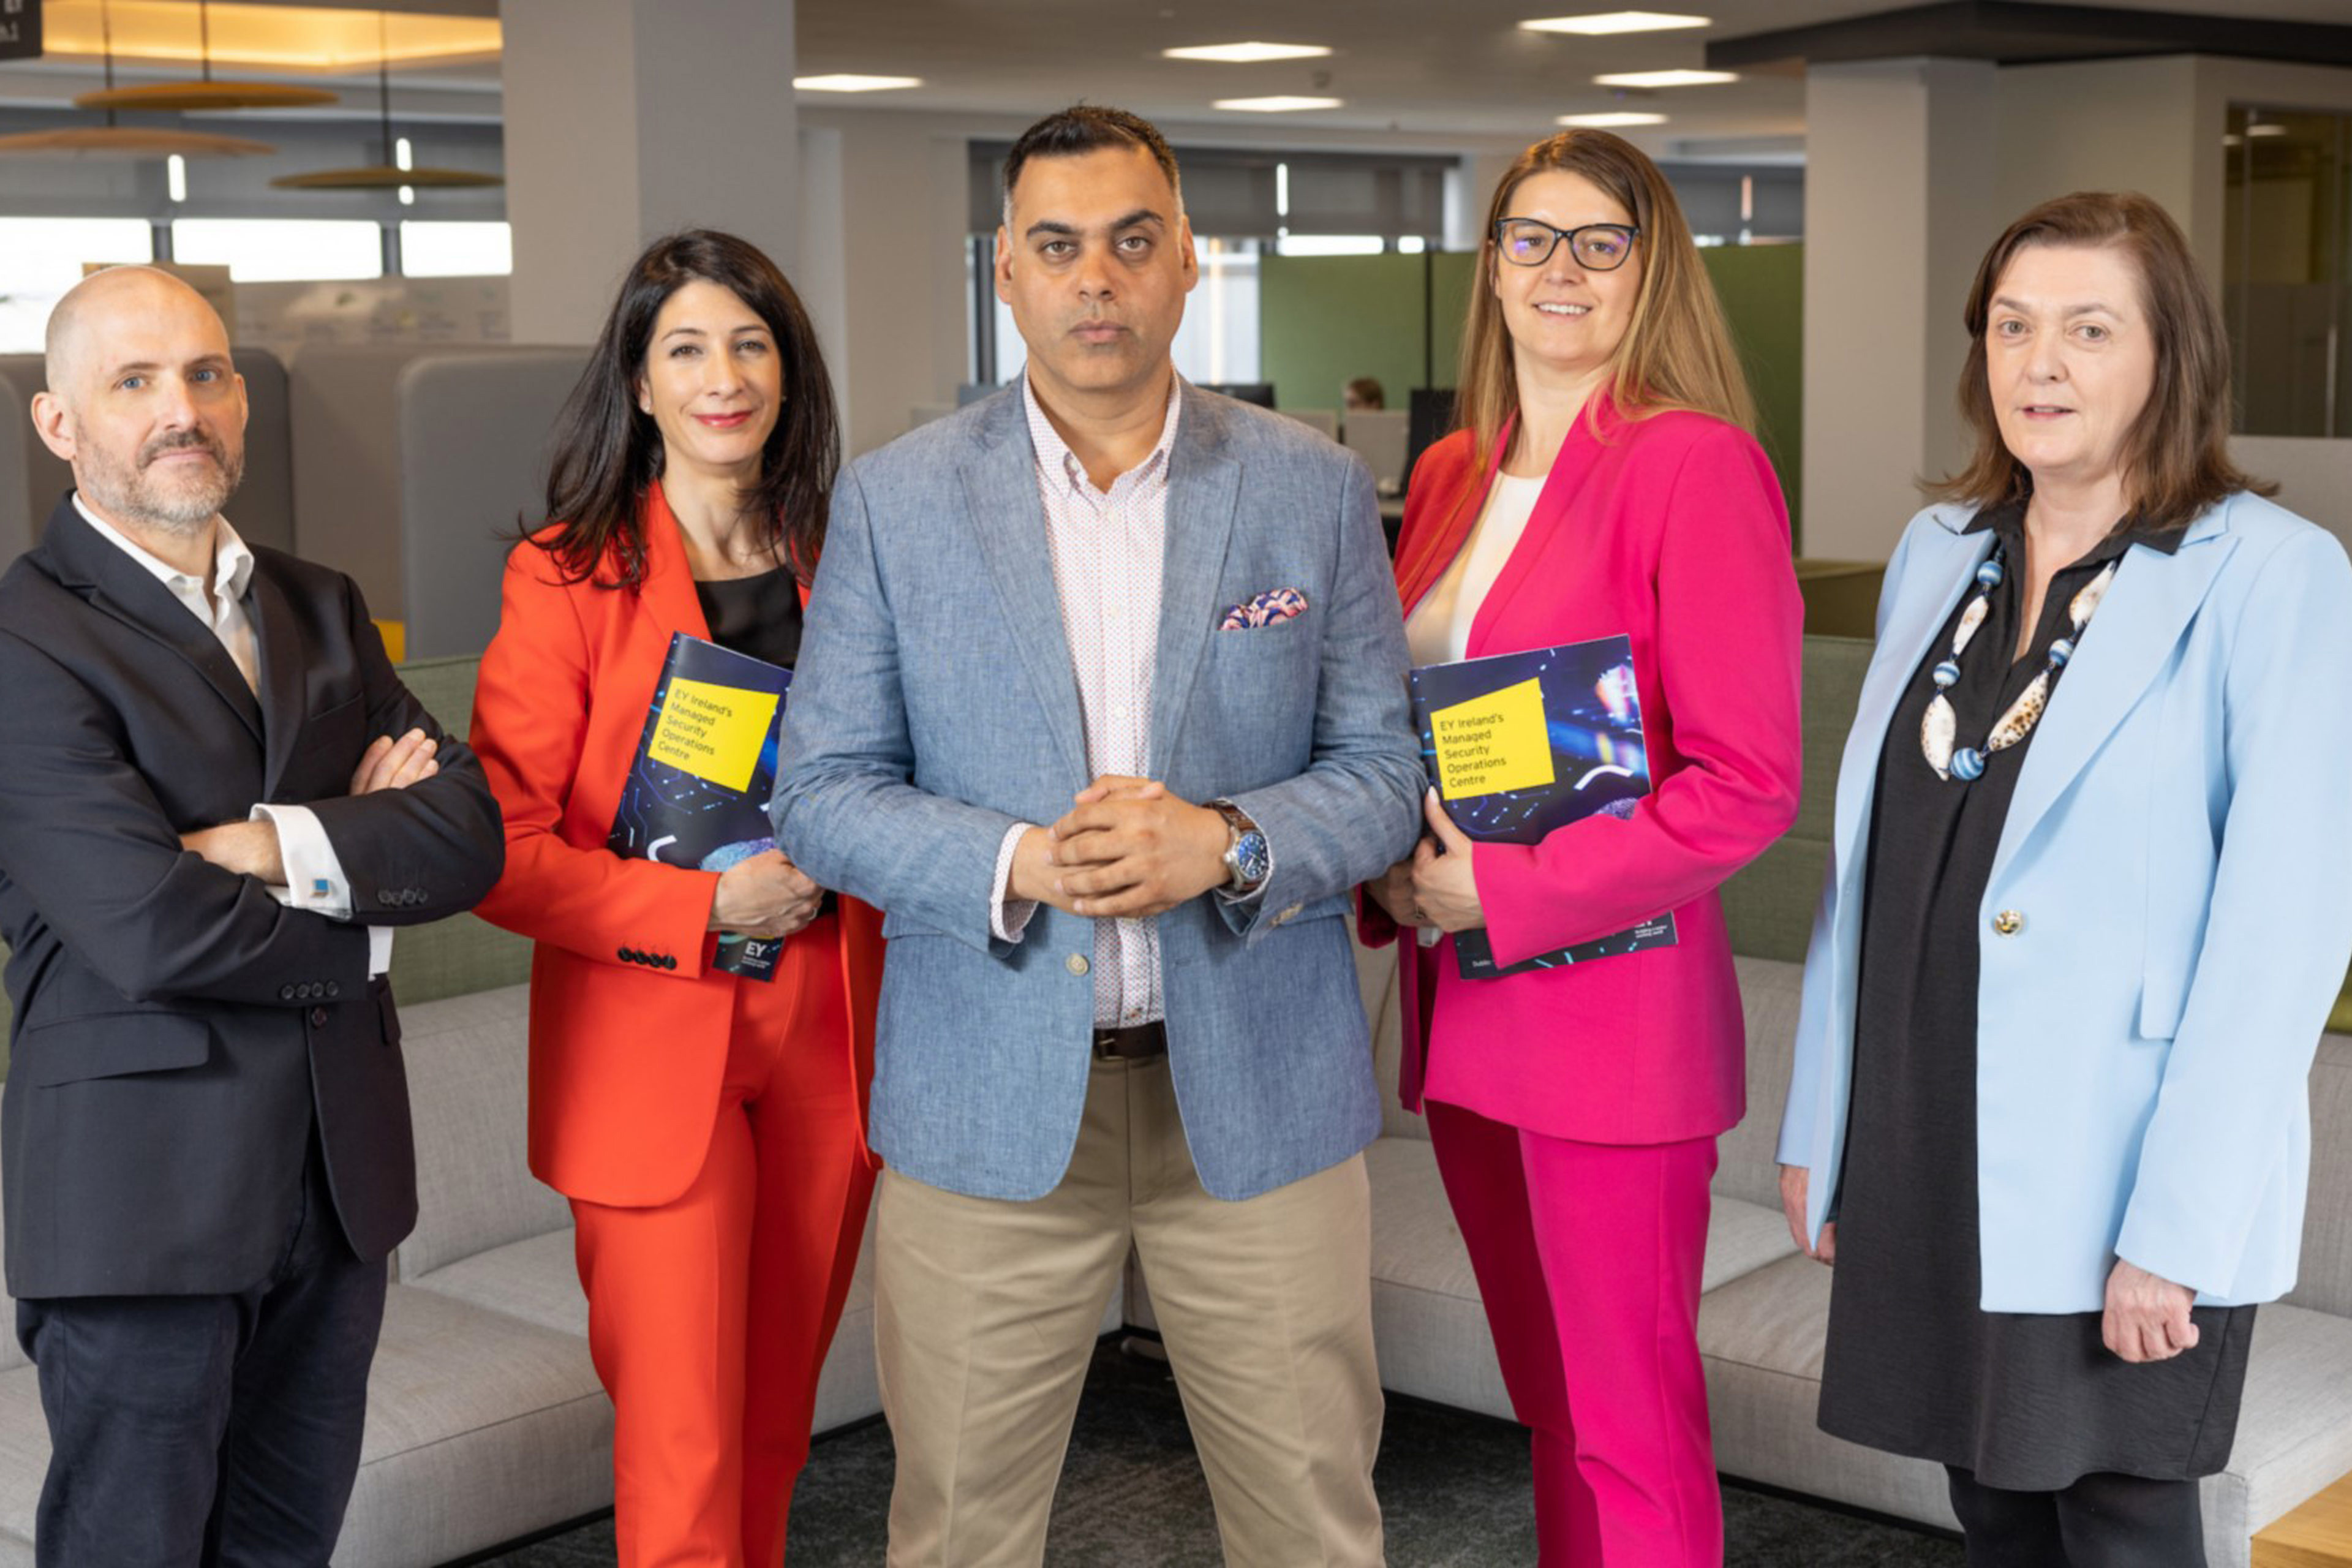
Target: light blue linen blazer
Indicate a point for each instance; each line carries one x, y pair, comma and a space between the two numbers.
935, 705
2179, 850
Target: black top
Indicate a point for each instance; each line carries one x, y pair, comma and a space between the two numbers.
1914, 1365
756, 615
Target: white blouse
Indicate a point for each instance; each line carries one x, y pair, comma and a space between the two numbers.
1439, 629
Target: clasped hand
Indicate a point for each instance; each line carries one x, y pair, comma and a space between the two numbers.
765, 894
1436, 886
250, 848
1127, 849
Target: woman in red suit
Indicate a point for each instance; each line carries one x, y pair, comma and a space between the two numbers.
706, 1129
1602, 481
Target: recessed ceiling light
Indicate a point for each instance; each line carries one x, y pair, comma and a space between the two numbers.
1276, 105
1607, 22
1248, 54
849, 82
1611, 121
1665, 78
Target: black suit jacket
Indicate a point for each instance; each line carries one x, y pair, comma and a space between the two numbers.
178, 1031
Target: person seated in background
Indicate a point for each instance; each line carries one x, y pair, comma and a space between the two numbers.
218, 799
705, 1126
2089, 902
1363, 394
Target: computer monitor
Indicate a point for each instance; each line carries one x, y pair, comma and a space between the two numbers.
1258, 391
1433, 418
1378, 436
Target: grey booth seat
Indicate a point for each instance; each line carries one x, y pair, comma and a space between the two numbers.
16, 501
411, 461
474, 437
34, 479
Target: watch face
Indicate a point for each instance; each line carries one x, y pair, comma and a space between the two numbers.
1250, 858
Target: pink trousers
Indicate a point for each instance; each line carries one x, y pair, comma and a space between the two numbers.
1588, 1257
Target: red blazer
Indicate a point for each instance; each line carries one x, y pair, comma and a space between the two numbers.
625, 1059
1670, 530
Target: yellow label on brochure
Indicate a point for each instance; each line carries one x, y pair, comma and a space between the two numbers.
1495, 742
714, 733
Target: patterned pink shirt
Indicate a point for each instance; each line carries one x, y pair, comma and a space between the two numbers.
1108, 549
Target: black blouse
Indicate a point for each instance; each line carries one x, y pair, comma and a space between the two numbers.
756, 615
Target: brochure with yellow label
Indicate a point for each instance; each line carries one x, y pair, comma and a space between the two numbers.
706, 768
1521, 745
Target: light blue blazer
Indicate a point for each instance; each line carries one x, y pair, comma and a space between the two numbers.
935, 705
2179, 850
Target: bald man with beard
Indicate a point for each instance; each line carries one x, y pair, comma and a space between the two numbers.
217, 801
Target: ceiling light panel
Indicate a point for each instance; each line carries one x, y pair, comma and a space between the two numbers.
1613, 121
268, 38
849, 81
1276, 105
1602, 24
1665, 78
1248, 54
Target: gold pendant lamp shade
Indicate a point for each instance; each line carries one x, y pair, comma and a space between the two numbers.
196, 97
185, 96
388, 174
129, 143
384, 177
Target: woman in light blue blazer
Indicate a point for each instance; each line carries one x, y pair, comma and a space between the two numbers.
2089, 902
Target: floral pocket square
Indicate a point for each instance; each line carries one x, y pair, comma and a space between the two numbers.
1270, 608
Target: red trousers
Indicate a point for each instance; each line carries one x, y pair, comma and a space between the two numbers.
1588, 1257
708, 1316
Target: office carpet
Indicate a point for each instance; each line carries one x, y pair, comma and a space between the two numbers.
1453, 1486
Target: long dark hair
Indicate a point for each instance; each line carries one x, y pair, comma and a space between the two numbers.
2177, 453
608, 450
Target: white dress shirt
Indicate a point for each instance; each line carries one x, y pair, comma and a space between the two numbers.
314, 873
1108, 549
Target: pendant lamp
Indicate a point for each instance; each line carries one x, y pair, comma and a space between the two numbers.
388, 174
206, 93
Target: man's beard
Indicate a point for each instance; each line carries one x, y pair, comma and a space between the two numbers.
131, 494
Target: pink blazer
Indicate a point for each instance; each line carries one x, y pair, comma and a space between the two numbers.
1672, 530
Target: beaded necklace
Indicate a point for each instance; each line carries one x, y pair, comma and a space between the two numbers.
1941, 728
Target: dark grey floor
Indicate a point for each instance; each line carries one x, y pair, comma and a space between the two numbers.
1454, 1491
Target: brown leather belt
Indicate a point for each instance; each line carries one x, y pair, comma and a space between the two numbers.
1140, 1044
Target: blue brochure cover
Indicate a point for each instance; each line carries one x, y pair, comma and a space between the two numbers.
1521, 743
697, 793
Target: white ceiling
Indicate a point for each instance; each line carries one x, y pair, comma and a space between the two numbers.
1461, 73
1444, 75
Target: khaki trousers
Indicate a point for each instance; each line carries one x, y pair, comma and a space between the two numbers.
987, 1312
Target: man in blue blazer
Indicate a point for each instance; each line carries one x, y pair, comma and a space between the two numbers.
1102, 700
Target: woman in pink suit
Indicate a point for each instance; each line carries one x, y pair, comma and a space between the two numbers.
1602, 481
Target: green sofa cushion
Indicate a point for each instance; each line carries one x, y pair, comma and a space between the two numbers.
462, 955
1769, 905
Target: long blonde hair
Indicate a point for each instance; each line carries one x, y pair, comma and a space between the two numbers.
1676, 352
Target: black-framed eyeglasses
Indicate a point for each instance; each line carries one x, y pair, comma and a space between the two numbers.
1530, 242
